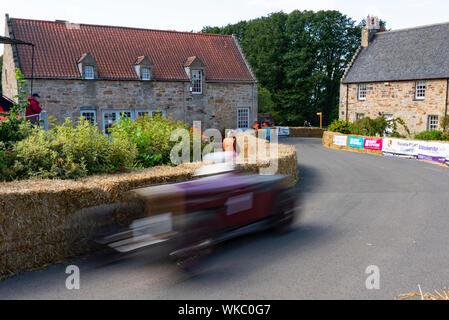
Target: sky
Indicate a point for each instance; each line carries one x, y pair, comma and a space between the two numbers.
185, 15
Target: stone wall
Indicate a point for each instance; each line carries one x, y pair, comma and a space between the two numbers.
9, 82
216, 108
398, 99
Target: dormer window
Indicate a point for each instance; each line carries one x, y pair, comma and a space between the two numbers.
144, 68
146, 74
197, 81
89, 73
195, 70
87, 66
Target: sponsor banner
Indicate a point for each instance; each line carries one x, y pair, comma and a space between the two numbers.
356, 142
389, 154
341, 141
433, 151
402, 148
283, 131
373, 144
432, 158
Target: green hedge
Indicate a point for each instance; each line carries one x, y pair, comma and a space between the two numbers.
432, 135
71, 151
370, 127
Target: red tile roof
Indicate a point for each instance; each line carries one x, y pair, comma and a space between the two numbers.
189, 61
58, 48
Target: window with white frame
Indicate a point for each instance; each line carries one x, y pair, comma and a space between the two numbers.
432, 123
197, 82
89, 115
111, 116
126, 114
362, 91
242, 118
142, 113
158, 112
89, 72
420, 90
359, 116
146, 74
151, 113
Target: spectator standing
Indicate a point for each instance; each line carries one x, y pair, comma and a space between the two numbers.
33, 109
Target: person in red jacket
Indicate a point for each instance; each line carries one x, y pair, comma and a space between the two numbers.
33, 110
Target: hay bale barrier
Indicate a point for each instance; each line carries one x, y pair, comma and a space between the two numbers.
430, 296
301, 132
38, 218
328, 141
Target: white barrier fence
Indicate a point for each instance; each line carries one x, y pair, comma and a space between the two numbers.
42, 119
413, 149
416, 149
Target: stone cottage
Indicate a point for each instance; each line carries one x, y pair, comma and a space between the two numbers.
401, 73
102, 72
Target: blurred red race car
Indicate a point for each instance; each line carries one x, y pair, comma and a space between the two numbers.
194, 216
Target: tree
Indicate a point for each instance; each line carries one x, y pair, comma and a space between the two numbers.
265, 100
299, 58
238, 29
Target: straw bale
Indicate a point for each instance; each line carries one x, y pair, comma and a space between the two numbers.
328, 141
300, 132
47, 221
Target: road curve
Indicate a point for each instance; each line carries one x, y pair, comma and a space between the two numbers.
357, 210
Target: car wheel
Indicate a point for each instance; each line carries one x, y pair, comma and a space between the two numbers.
285, 212
194, 242
193, 261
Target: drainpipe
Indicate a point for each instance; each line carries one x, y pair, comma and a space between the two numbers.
447, 92
347, 101
32, 68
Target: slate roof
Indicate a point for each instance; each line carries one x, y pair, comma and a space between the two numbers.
411, 54
58, 48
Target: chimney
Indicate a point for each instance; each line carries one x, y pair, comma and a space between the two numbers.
371, 28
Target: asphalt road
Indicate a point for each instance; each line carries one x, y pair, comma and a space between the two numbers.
357, 210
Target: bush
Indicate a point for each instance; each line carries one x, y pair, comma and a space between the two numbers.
70, 152
370, 127
8, 157
396, 134
444, 123
40, 155
341, 126
432, 135
151, 135
13, 127
393, 124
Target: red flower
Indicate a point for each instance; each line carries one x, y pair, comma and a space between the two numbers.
122, 168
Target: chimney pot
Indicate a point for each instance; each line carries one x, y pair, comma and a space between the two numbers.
371, 28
